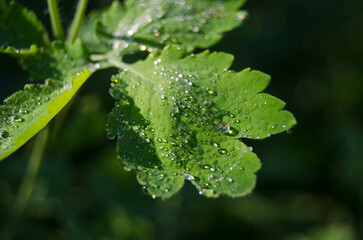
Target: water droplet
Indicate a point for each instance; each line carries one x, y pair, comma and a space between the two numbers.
215, 145
175, 109
193, 29
110, 135
18, 119
224, 127
4, 134
241, 15
232, 132
222, 151
23, 111
188, 177
250, 149
207, 103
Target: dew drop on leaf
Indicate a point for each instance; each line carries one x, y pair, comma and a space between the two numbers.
188, 177
222, 151
207, 103
110, 136
23, 111
4, 134
224, 127
241, 15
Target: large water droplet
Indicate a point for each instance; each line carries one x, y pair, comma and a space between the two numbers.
241, 15
222, 151
188, 177
232, 132
224, 127
4, 134
193, 29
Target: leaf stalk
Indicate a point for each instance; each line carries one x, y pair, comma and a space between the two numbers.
77, 20
28, 183
55, 20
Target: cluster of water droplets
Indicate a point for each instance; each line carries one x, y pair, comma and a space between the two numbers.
190, 96
199, 110
28, 105
180, 22
11, 118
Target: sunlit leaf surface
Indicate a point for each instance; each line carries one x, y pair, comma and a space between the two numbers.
147, 25
180, 119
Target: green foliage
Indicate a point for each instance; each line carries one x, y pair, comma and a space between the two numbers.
179, 118
176, 117
20, 31
27, 111
147, 25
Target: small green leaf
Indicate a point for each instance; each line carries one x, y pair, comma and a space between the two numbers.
147, 25
183, 118
26, 112
20, 30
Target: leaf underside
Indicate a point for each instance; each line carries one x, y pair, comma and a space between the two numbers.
26, 112
180, 119
57, 71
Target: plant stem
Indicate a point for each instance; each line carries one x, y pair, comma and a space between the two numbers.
28, 183
77, 20
55, 20
124, 66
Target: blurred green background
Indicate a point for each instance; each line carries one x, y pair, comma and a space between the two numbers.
310, 184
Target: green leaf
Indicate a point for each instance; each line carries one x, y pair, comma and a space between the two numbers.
57, 75
183, 118
88, 30
20, 30
147, 25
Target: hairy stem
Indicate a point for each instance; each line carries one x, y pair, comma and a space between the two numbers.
28, 183
55, 20
77, 20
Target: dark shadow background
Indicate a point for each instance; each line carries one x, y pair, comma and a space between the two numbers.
310, 184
